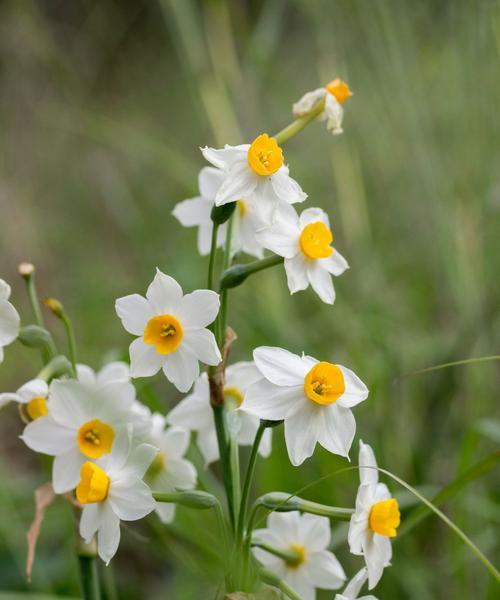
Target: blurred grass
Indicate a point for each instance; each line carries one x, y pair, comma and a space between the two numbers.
102, 109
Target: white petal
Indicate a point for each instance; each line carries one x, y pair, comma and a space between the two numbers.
5, 290
181, 368
368, 475
352, 589
115, 400
206, 440
282, 236
321, 281
313, 215
199, 308
285, 527
280, 366
286, 188
46, 436
86, 374
89, 521
164, 294
202, 344
324, 570
335, 264
268, 401
296, 273
144, 360
193, 211
108, 536
337, 430
375, 552
166, 511
134, 312
266, 443
205, 238
356, 535
301, 433
194, 411
33, 389
7, 397
223, 158
139, 461
9, 323
175, 442
240, 182
180, 474
298, 581
334, 114
314, 532
209, 182
66, 470
114, 371
248, 427
131, 500
242, 374
355, 390
71, 402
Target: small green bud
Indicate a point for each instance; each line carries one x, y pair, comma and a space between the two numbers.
192, 499
57, 367
55, 306
280, 501
34, 336
221, 214
234, 276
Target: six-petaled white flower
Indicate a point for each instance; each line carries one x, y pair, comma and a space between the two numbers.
375, 519
313, 398
112, 490
172, 330
305, 243
255, 171
306, 538
82, 423
9, 318
194, 412
334, 94
169, 471
32, 395
352, 589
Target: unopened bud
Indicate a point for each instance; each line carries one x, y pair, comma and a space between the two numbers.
25, 269
192, 499
55, 306
34, 336
221, 214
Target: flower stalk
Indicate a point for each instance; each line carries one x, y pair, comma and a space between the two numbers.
88, 570
293, 128
237, 274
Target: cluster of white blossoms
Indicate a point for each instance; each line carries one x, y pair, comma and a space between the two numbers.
121, 461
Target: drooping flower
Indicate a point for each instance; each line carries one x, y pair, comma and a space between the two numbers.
169, 471
334, 95
375, 519
33, 395
194, 412
112, 490
82, 423
256, 171
113, 371
306, 537
195, 212
352, 589
313, 398
172, 330
9, 318
305, 243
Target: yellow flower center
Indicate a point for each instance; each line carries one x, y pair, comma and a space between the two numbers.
324, 384
164, 332
265, 157
93, 485
95, 438
37, 407
157, 466
339, 89
385, 517
242, 208
233, 393
300, 553
315, 240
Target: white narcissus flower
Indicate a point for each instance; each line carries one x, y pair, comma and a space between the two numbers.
305, 243
307, 537
375, 519
334, 94
352, 589
256, 171
9, 318
112, 490
113, 371
195, 413
82, 423
195, 212
313, 398
170, 471
173, 330
33, 395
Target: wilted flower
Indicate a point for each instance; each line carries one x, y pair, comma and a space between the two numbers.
313, 398
334, 94
375, 520
305, 243
172, 330
306, 538
9, 318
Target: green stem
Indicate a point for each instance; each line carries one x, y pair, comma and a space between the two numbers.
289, 556
213, 252
455, 363
88, 577
222, 320
50, 351
237, 274
70, 335
220, 429
293, 128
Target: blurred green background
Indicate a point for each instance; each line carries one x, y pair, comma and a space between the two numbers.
103, 106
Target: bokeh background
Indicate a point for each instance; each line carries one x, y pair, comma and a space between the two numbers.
103, 106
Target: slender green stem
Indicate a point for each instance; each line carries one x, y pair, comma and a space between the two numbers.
293, 128
248, 481
211, 261
222, 320
50, 350
234, 457
220, 429
109, 584
237, 274
455, 363
88, 577
70, 335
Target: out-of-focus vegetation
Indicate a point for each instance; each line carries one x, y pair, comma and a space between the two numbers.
103, 106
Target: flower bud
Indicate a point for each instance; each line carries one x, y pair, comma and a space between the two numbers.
221, 214
55, 306
26, 270
34, 336
192, 499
